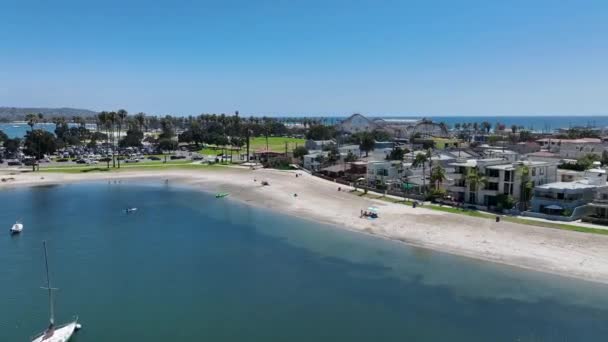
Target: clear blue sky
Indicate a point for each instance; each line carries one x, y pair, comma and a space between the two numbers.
307, 57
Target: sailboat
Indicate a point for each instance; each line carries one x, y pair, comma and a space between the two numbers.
60, 333
17, 228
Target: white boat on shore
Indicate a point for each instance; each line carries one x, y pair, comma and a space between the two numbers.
53, 333
17, 228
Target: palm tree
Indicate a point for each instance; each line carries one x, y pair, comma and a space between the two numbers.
31, 120
121, 116
437, 176
421, 160
526, 185
367, 143
112, 118
104, 122
140, 118
475, 179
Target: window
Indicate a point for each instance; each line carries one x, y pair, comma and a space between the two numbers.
492, 186
492, 173
533, 172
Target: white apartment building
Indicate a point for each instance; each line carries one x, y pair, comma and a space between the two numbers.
502, 177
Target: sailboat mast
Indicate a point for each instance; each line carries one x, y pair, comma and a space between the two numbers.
48, 284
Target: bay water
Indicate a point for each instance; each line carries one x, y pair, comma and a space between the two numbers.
189, 267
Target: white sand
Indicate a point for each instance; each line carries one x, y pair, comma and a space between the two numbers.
568, 253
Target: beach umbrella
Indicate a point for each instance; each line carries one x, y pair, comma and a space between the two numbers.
372, 209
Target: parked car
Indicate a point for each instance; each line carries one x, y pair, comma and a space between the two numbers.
30, 162
132, 161
81, 161
14, 163
153, 158
62, 160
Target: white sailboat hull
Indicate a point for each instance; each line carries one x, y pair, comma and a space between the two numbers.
17, 228
59, 334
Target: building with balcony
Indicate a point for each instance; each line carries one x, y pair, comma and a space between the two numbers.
389, 173
567, 199
598, 209
501, 178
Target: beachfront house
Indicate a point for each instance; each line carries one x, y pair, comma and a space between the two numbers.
598, 209
500, 178
313, 161
566, 201
385, 174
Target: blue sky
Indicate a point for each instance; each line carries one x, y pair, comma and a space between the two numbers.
307, 57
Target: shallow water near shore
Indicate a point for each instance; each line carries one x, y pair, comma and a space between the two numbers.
188, 266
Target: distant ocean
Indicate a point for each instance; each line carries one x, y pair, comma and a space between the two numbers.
534, 123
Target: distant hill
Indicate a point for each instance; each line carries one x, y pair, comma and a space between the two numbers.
17, 114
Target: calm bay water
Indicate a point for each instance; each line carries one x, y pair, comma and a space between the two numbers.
188, 266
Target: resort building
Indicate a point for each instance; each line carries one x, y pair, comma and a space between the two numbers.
500, 178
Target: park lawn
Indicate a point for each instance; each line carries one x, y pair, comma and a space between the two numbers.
276, 144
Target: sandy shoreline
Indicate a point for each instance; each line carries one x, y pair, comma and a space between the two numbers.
566, 253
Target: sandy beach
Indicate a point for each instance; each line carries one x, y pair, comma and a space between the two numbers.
567, 253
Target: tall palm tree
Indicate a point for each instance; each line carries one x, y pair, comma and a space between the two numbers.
475, 179
31, 120
112, 119
141, 120
103, 120
420, 160
121, 116
437, 175
523, 172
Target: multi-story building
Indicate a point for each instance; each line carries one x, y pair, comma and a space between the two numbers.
388, 172
598, 209
573, 148
567, 200
501, 177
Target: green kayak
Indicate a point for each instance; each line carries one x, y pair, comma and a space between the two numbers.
221, 194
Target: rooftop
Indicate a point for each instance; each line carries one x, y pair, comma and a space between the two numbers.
581, 184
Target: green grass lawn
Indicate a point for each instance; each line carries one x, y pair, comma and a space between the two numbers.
276, 144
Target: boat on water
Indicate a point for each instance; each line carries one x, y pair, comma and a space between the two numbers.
221, 194
60, 333
17, 228
130, 210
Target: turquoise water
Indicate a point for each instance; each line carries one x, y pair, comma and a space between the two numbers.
18, 130
188, 266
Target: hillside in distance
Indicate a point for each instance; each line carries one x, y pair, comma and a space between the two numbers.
19, 113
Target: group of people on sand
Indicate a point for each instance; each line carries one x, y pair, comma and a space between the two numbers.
366, 214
